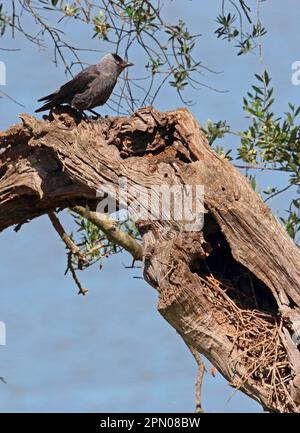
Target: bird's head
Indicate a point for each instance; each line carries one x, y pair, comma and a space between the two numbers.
117, 61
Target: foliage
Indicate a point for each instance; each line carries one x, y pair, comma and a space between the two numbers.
93, 243
2, 21
168, 49
216, 130
245, 42
270, 142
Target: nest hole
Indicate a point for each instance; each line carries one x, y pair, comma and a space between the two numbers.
247, 312
242, 286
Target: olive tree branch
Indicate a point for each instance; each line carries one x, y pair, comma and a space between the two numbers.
113, 233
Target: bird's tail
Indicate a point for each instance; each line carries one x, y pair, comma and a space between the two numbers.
46, 106
48, 97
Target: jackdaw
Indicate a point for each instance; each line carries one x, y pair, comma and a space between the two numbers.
90, 88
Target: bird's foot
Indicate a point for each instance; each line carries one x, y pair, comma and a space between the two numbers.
96, 115
85, 116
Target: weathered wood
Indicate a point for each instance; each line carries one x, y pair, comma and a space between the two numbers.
231, 290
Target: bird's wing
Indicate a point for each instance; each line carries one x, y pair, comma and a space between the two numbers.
96, 93
77, 85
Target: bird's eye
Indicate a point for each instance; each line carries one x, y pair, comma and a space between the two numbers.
118, 59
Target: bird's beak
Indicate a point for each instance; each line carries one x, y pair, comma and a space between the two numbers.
126, 64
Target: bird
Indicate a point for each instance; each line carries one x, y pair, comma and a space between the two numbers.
90, 88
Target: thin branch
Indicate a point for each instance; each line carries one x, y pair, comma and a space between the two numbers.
12, 99
113, 233
73, 250
63, 235
70, 267
279, 192
201, 369
258, 167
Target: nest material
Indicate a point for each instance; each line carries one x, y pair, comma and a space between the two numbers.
255, 335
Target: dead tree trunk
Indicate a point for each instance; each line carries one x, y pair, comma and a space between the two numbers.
231, 290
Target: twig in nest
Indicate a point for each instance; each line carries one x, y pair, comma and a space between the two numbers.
255, 338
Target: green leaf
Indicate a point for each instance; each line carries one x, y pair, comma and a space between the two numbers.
267, 79
259, 78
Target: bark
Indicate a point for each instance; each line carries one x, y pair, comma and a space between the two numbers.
231, 290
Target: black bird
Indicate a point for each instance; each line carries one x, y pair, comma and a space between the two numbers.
90, 88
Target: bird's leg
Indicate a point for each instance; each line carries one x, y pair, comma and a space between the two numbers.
84, 116
80, 112
94, 112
